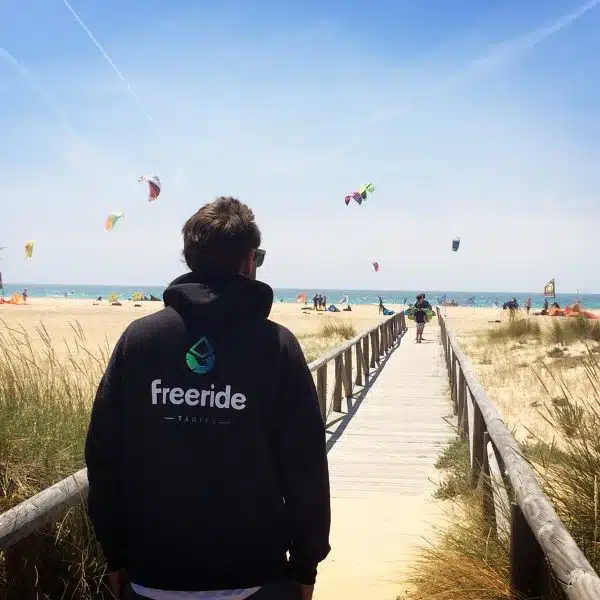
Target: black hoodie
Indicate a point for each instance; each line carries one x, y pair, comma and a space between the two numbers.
206, 449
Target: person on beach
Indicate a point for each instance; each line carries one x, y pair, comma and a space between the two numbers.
381, 306
421, 305
206, 450
528, 305
24, 294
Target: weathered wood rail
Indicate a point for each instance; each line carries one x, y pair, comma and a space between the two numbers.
368, 348
538, 540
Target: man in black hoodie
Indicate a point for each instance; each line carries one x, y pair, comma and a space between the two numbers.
206, 448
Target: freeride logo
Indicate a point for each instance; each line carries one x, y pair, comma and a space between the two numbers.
200, 358
211, 398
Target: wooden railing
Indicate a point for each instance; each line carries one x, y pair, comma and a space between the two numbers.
513, 500
369, 348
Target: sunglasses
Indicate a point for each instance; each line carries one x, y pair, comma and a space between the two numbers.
259, 257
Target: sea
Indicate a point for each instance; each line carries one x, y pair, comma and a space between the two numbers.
473, 298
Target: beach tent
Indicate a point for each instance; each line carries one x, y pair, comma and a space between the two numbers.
333, 308
137, 296
576, 311
16, 298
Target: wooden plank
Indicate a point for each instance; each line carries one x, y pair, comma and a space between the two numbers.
41, 509
399, 428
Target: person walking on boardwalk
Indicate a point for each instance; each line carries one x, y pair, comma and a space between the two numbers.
206, 448
421, 316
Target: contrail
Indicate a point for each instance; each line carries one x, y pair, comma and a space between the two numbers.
498, 55
83, 144
39, 90
110, 61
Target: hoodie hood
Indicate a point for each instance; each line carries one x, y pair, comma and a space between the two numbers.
218, 300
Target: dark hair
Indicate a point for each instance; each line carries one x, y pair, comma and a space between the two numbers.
218, 237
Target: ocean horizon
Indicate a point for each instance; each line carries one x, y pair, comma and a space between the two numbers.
463, 298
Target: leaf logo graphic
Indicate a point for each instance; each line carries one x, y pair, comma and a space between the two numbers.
200, 358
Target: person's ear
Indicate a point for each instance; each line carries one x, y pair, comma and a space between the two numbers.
247, 266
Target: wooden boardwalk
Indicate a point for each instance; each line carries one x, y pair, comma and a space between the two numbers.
381, 461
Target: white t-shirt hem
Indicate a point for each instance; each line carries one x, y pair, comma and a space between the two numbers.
154, 594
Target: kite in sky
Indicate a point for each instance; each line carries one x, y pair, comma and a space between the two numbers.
455, 244
353, 196
29, 249
112, 219
154, 186
375, 266
361, 195
367, 188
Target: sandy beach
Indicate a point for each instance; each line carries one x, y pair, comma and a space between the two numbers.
509, 371
102, 324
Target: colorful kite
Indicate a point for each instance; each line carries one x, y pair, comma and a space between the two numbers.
353, 196
29, 249
154, 186
366, 188
455, 244
360, 196
375, 266
112, 219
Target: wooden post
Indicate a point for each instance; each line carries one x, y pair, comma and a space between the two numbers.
477, 441
500, 498
348, 373
359, 365
453, 383
462, 398
373, 349
529, 576
486, 490
322, 389
337, 386
366, 353
463, 417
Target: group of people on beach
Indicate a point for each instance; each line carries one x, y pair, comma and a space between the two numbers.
319, 302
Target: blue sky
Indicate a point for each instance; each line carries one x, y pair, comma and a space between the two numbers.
473, 119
